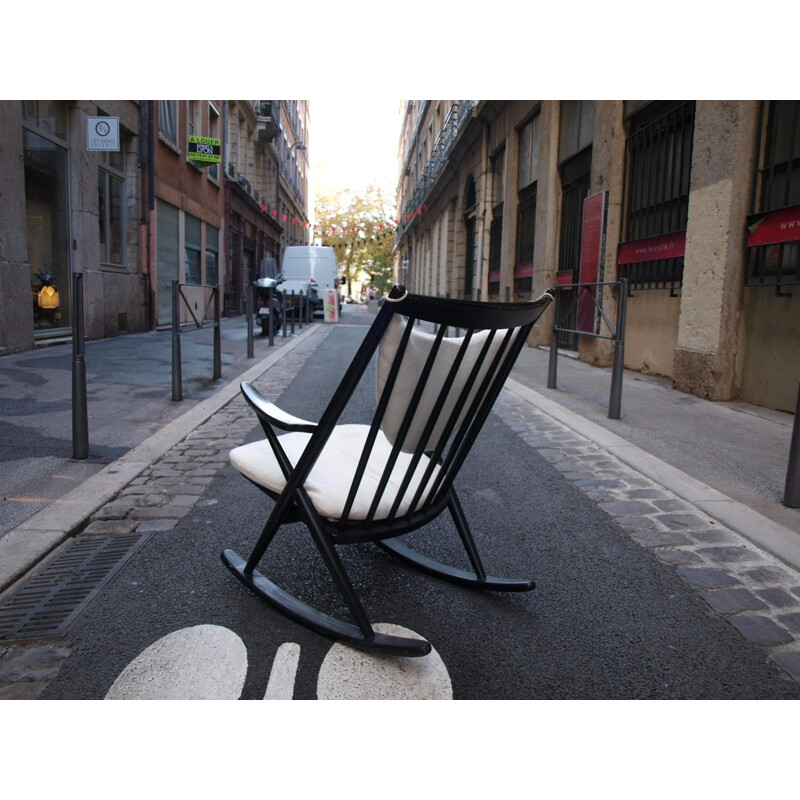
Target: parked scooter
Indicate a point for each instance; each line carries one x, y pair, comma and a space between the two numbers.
46, 300
265, 309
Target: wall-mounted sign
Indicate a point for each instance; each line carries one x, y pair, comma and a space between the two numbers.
102, 133
205, 150
669, 245
776, 227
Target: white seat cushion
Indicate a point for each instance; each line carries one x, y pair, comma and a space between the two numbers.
328, 483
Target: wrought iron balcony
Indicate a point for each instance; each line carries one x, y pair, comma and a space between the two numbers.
454, 123
268, 119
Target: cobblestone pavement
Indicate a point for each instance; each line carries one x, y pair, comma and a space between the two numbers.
758, 594
155, 501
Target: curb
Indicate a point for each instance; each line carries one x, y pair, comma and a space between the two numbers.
779, 541
28, 543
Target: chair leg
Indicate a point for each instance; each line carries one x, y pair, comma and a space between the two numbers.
475, 580
360, 635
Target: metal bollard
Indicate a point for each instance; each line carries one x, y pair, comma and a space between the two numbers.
791, 495
217, 338
248, 310
294, 310
80, 417
615, 401
271, 319
177, 382
552, 366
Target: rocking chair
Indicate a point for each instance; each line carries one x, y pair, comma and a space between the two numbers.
373, 483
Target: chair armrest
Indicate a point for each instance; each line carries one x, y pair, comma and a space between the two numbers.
269, 412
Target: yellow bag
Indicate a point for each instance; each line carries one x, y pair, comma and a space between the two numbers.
48, 297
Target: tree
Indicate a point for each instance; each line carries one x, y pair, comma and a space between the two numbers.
358, 226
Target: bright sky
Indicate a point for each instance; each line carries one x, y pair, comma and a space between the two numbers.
354, 142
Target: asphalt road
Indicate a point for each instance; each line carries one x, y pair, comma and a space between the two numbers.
606, 620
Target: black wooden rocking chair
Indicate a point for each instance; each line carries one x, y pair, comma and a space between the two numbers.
361, 483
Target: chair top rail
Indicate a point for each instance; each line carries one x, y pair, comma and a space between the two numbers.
468, 313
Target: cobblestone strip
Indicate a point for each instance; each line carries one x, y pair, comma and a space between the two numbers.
155, 501
758, 594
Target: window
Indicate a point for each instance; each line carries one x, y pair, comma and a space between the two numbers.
213, 132
168, 119
111, 194
773, 257
496, 225
659, 160
192, 247
526, 209
529, 153
577, 127
212, 255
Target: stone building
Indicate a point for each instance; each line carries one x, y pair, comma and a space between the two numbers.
195, 191
267, 188
696, 203
68, 208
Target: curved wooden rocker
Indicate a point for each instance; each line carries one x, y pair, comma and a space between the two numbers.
377, 482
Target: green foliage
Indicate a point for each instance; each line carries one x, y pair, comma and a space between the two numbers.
345, 221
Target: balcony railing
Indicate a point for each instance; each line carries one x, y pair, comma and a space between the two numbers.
454, 123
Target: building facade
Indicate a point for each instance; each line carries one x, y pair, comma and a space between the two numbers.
143, 207
67, 209
695, 203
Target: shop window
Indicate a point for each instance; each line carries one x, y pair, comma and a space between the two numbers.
192, 248
774, 227
659, 159
47, 213
111, 193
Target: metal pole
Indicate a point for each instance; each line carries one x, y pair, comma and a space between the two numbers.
271, 318
248, 310
217, 338
294, 311
177, 382
80, 417
615, 401
283, 315
552, 367
791, 496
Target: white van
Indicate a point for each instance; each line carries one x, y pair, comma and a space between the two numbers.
311, 270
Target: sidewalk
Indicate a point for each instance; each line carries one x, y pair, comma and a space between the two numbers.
47, 495
727, 459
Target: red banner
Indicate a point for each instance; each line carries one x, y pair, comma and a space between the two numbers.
670, 245
778, 226
594, 217
523, 271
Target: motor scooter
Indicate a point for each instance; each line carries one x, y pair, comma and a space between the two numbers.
46, 300
265, 308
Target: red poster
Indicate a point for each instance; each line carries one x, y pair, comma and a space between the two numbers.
670, 245
594, 213
778, 226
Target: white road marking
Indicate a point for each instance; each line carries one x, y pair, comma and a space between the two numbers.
205, 662
284, 670
350, 674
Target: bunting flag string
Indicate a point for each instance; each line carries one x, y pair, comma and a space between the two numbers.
343, 229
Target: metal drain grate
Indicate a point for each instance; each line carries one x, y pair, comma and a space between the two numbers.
50, 599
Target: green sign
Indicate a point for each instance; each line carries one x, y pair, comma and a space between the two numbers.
205, 150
